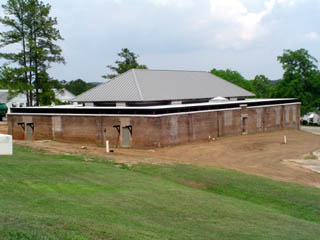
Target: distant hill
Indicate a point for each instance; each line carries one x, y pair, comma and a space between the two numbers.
274, 82
79, 86
94, 84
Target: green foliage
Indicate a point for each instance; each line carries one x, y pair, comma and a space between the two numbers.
233, 77
30, 25
298, 62
64, 197
5, 77
286, 198
262, 86
78, 86
301, 79
13, 79
129, 61
46, 95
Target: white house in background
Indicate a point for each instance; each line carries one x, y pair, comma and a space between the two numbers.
21, 100
64, 96
18, 101
312, 118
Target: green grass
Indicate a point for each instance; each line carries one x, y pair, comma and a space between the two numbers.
286, 198
65, 197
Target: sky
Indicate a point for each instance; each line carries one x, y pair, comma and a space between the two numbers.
242, 35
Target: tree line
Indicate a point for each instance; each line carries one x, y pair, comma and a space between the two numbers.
301, 79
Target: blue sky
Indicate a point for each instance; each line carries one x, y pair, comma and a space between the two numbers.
243, 35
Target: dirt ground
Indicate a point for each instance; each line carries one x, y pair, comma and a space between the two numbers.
260, 154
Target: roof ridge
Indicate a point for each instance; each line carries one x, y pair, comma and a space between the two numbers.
169, 70
137, 84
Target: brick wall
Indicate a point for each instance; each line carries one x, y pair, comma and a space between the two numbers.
156, 131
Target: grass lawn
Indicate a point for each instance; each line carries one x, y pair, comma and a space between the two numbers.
65, 197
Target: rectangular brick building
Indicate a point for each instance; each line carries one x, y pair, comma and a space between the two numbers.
146, 108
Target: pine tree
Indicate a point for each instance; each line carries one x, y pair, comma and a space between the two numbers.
129, 62
32, 27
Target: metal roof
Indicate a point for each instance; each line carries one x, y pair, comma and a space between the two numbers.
158, 85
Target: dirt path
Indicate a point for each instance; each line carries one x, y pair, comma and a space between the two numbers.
259, 154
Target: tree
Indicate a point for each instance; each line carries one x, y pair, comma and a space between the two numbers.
129, 62
31, 26
43, 50
16, 34
4, 77
262, 86
12, 78
301, 79
77, 86
233, 77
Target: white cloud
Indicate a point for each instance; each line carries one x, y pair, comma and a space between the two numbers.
312, 36
244, 24
289, 2
174, 3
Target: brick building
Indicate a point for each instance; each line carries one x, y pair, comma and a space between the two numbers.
153, 108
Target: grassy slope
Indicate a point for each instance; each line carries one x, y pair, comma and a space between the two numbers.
64, 197
287, 198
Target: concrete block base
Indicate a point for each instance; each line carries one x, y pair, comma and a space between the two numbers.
5, 144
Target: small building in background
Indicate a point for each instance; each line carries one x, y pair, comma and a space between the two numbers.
65, 96
20, 100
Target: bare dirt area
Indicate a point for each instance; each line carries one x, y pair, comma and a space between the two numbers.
3, 127
260, 154
52, 147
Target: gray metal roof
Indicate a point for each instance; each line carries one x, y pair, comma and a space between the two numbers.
4, 95
158, 85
